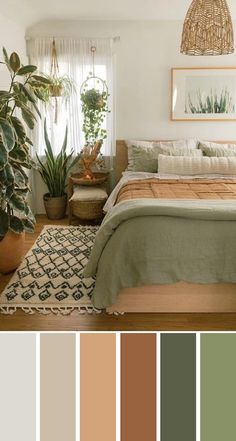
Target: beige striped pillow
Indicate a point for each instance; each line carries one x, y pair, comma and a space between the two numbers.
188, 166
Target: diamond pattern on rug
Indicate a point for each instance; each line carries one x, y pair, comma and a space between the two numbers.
50, 278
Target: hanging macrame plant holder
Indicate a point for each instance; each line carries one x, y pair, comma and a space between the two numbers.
94, 93
208, 29
55, 89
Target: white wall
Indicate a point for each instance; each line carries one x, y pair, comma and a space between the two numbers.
144, 56
12, 37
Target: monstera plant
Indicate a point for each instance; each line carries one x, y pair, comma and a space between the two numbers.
18, 107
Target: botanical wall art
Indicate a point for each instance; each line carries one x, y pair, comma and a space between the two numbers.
203, 94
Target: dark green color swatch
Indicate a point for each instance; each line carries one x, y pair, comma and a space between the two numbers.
178, 387
218, 387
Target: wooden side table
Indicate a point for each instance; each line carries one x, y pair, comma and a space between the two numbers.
86, 202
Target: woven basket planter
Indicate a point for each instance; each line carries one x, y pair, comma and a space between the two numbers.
55, 207
88, 209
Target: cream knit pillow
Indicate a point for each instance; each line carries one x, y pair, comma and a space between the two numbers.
188, 166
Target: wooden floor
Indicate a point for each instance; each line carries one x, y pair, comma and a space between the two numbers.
103, 322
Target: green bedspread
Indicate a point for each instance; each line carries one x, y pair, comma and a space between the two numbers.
145, 241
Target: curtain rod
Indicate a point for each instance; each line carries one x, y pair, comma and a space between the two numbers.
115, 39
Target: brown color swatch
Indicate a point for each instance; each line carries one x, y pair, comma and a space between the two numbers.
98, 387
138, 387
57, 386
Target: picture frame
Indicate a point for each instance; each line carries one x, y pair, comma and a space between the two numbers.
203, 94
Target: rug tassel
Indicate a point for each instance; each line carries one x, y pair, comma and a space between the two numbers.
10, 310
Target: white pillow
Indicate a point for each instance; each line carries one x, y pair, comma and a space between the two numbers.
191, 143
188, 166
133, 145
163, 149
84, 193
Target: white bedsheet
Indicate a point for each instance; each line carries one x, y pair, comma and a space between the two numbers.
130, 176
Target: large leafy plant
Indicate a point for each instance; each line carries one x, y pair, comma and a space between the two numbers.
54, 170
18, 106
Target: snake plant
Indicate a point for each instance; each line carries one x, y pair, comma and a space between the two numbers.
54, 170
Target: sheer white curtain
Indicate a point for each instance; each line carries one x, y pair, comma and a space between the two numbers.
75, 60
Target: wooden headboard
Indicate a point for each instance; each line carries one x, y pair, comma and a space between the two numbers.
121, 160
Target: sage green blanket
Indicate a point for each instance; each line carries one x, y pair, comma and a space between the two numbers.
146, 241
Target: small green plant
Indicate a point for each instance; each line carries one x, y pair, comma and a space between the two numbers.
58, 86
55, 169
212, 103
21, 96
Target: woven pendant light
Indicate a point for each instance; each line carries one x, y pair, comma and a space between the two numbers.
208, 29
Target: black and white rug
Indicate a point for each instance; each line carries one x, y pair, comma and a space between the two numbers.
49, 279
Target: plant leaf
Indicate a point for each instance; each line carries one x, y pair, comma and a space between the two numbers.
3, 156
27, 69
48, 144
28, 118
7, 134
6, 59
19, 128
41, 79
17, 203
27, 93
4, 223
28, 225
16, 224
14, 62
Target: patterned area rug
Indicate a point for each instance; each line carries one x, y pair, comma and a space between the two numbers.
49, 278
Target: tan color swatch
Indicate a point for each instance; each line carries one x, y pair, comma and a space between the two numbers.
98, 387
57, 384
138, 387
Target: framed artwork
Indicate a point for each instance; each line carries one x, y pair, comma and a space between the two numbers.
203, 94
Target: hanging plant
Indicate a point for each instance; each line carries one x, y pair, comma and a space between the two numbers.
94, 108
59, 85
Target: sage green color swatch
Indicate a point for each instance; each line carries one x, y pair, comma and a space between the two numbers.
218, 387
178, 387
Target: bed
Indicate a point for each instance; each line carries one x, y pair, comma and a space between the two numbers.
135, 225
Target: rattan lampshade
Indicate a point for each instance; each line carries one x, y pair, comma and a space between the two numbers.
208, 29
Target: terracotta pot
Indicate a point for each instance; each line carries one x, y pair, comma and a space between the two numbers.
55, 207
11, 251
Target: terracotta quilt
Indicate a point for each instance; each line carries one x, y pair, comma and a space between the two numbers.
178, 189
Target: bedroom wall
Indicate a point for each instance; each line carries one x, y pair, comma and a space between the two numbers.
144, 56
143, 59
12, 37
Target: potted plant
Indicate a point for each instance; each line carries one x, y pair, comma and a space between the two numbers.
54, 171
94, 108
58, 86
20, 98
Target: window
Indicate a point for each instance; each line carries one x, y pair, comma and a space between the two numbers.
74, 59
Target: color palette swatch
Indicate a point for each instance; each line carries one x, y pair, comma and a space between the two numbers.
138, 387
178, 387
118, 386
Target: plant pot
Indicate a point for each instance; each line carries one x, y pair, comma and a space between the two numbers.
11, 251
55, 90
55, 207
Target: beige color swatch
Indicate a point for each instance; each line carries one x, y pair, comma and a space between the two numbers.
98, 387
57, 384
18, 387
